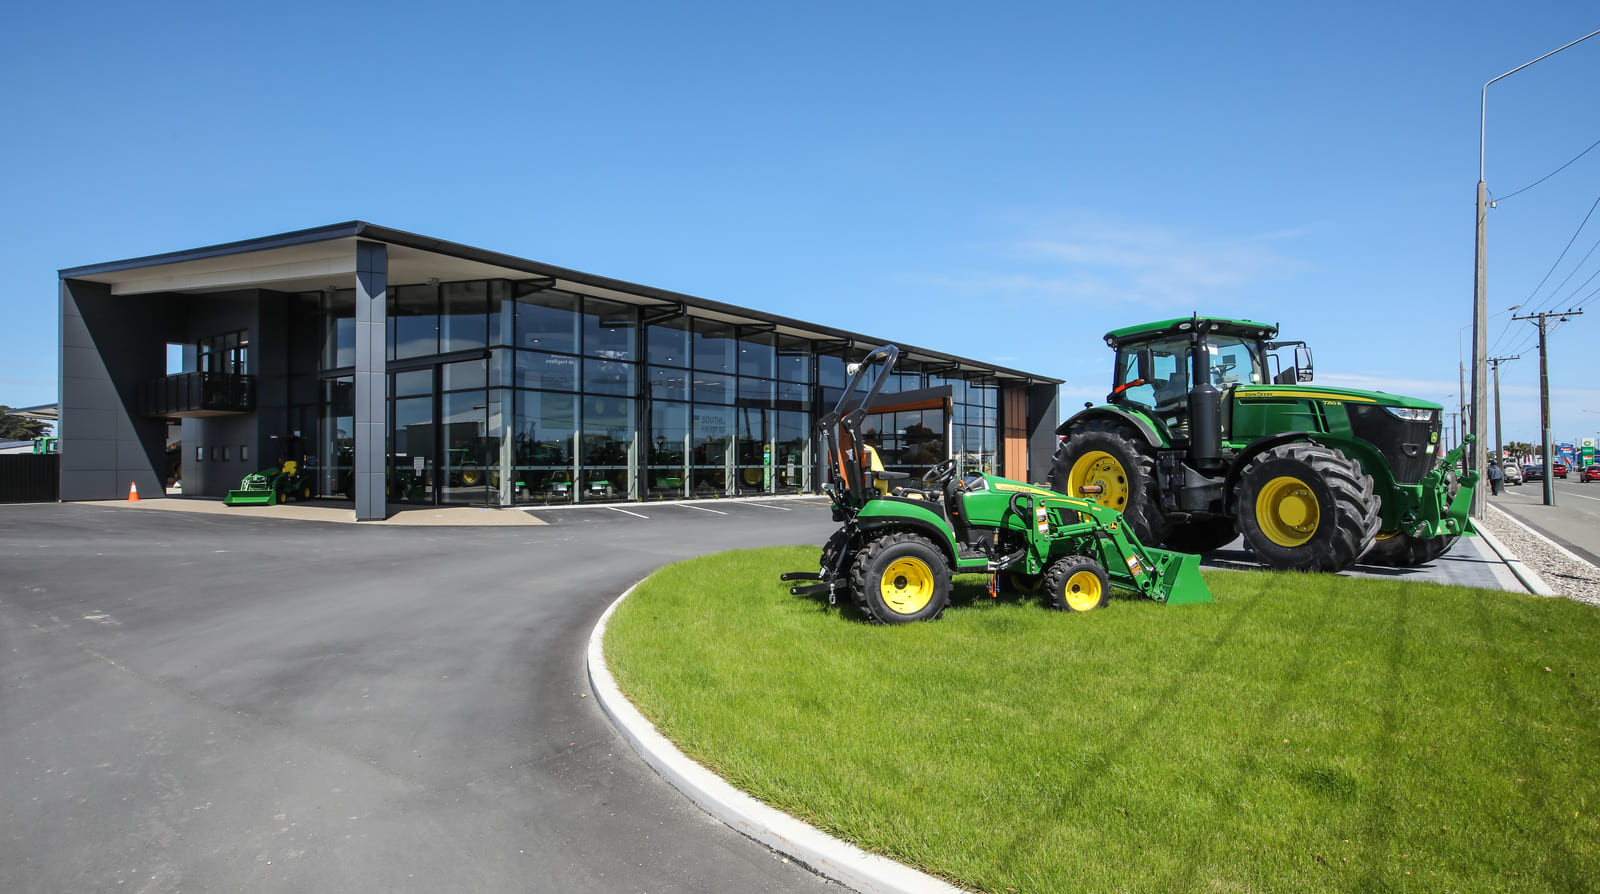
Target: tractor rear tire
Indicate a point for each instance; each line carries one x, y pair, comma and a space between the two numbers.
1307, 507
1077, 584
1201, 536
1401, 550
899, 578
1114, 458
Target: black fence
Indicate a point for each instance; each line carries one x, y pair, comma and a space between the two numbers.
30, 478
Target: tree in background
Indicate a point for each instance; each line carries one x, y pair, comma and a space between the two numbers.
16, 428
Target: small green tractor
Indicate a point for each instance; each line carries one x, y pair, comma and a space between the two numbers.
271, 486
899, 546
1207, 435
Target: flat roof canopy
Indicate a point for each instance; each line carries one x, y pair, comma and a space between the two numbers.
325, 257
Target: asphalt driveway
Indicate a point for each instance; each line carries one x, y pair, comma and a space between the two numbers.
200, 702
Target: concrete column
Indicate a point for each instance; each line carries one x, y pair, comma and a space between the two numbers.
371, 380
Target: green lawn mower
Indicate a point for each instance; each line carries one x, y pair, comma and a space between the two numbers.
899, 546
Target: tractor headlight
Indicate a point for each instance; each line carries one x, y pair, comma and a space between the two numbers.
1411, 415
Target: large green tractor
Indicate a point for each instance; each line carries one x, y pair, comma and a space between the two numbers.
1207, 435
899, 544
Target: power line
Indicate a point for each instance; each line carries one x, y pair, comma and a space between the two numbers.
1551, 174
1564, 251
1544, 391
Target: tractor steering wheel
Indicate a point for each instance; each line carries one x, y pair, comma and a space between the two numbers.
940, 472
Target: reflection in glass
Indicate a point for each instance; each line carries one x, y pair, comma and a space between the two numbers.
669, 342
547, 319
413, 321
551, 372
542, 434
606, 442
411, 452
609, 328
469, 455
711, 451
339, 330
668, 449
608, 377
464, 322
713, 346
669, 384
758, 355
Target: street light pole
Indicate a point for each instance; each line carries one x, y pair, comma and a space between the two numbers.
1480, 291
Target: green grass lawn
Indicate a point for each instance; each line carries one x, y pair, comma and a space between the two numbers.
1301, 733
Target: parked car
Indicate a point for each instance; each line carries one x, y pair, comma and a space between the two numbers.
1558, 468
1512, 474
1533, 472
1591, 472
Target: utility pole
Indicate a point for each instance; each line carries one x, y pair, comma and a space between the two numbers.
1544, 399
1499, 446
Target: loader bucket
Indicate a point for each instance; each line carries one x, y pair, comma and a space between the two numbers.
1177, 578
250, 498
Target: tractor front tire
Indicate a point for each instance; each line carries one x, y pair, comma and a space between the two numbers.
899, 578
1307, 507
1110, 464
1401, 550
1077, 584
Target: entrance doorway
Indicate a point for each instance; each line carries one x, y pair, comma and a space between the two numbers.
439, 449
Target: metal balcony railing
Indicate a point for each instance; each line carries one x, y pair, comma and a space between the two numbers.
198, 394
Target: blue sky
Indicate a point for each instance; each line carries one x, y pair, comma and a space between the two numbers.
1004, 181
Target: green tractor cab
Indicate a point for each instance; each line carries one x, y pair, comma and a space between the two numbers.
899, 545
1208, 434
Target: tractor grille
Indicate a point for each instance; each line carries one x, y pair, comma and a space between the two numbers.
1406, 445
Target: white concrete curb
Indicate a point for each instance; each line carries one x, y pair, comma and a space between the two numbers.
1528, 576
823, 854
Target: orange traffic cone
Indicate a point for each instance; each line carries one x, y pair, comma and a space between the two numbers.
133, 492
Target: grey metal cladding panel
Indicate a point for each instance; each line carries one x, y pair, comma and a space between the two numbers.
89, 394
132, 455
90, 454
96, 484
75, 333
83, 361
85, 423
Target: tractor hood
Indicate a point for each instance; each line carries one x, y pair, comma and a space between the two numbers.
1318, 392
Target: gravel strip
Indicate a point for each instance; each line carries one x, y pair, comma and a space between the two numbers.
1567, 574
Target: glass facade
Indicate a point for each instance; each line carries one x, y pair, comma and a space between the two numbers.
516, 393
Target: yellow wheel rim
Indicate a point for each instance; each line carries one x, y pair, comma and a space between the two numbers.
1287, 511
1083, 591
469, 477
907, 586
1098, 469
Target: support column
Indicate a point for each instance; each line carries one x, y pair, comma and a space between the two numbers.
371, 380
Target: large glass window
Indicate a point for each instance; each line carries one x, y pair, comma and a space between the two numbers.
758, 355
607, 438
713, 389
669, 342
551, 372
714, 345
608, 377
468, 455
794, 359
666, 383
338, 329
464, 321
413, 321
609, 329
546, 319
711, 448
668, 449
542, 433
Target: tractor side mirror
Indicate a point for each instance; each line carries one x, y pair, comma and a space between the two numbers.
1302, 362
1147, 364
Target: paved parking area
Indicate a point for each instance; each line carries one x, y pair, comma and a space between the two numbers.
193, 701
236, 700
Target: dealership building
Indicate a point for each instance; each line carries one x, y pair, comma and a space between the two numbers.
395, 368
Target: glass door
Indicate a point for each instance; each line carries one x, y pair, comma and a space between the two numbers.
414, 436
